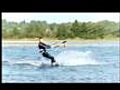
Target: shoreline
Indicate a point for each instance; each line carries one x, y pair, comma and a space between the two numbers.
55, 40
74, 42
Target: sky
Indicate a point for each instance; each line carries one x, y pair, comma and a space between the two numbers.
61, 17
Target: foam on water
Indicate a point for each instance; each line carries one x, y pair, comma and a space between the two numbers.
71, 57
65, 58
28, 62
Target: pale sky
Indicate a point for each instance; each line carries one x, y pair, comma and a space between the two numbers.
61, 17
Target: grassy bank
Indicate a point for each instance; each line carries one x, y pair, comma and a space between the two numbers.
56, 40
31, 42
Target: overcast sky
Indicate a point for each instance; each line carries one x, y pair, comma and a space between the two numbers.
61, 17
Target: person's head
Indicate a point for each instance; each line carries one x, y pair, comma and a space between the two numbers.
40, 39
64, 43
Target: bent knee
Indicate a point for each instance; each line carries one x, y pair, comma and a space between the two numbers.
53, 60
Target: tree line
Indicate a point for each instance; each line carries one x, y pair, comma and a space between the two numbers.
76, 29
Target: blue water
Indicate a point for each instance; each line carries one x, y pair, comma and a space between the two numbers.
88, 63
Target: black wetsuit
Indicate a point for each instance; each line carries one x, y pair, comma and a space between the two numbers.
43, 47
47, 55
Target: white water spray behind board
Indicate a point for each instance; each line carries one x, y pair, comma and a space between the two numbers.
65, 58
72, 58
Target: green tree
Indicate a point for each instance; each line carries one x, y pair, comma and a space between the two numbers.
75, 29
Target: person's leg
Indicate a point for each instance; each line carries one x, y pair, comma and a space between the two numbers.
52, 60
47, 55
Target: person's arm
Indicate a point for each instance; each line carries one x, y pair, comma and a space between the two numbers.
45, 45
61, 44
54, 46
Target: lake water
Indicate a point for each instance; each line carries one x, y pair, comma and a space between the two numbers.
86, 63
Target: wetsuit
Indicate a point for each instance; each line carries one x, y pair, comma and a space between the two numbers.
44, 53
43, 46
47, 55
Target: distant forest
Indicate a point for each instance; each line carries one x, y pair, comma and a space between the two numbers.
70, 30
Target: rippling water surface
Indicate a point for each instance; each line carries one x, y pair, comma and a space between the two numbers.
89, 63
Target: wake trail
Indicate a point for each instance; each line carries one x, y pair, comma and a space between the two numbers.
64, 58
72, 57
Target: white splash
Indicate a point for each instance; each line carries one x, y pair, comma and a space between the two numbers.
71, 57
